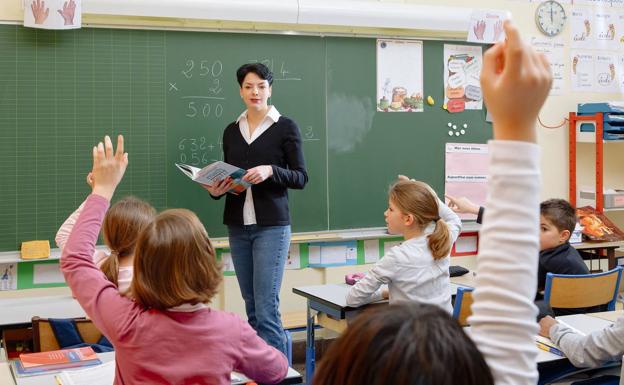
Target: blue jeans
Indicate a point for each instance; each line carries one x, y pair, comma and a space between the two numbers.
259, 255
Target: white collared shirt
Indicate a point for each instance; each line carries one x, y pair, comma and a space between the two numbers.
272, 116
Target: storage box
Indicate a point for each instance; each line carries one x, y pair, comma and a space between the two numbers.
612, 199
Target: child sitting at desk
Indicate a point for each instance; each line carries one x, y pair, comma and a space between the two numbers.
424, 348
168, 334
418, 269
122, 224
557, 255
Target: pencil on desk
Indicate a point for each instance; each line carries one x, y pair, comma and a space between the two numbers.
58, 380
550, 349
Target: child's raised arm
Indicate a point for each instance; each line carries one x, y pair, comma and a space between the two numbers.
515, 82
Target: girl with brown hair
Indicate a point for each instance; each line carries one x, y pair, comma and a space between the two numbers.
120, 230
418, 269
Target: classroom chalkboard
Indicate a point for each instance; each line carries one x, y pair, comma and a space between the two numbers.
172, 93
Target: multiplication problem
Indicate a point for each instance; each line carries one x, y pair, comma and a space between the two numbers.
196, 151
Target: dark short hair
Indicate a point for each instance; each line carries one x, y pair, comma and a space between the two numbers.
257, 68
403, 345
560, 213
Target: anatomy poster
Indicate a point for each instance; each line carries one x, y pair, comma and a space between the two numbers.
53, 14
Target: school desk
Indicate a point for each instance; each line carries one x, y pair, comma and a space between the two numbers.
608, 247
608, 315
6, 378
328, 304
54, 302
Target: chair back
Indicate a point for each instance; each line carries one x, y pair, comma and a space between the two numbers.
44, 339
462, 309
580, 291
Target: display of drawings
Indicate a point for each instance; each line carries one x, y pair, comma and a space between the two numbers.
399, 75
462, 69
53, 14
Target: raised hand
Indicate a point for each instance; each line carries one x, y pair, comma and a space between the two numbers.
40, 12
67, 13
515, 81
108, 166
479, 29
258, 174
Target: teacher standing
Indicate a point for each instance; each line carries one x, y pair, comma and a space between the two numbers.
268, 146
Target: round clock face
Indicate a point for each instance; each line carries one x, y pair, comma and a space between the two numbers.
550, 17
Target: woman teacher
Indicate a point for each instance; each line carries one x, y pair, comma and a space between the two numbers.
268, 146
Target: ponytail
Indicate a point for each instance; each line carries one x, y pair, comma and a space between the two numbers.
440, 240
110, 267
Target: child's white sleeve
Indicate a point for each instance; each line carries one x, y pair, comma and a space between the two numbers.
66, 228
451, 218
367, 289
503, 321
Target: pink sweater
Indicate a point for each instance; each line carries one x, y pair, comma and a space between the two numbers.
156, 347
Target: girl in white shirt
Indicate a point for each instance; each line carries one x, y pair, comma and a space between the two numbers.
418, 269
122, 224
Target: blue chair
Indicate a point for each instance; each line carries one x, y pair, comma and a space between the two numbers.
462, 308
583, 291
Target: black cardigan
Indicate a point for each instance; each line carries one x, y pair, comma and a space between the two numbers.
280, 147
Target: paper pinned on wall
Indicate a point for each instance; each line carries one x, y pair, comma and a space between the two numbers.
226, 260
47, 273
486, 26
371, 250
293, 260
8, 276
53, 14
388, 245
466, 168
323, 254
552, 48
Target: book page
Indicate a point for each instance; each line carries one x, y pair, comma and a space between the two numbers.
98, 375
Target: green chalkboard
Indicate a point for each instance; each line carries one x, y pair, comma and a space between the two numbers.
172, 93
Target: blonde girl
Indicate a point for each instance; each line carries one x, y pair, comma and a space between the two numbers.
120, 230
417, 270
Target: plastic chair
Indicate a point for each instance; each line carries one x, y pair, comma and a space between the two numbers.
463, 303
582, 291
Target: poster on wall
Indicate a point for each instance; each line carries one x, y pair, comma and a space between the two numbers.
581, 28
486, 26
582, 71
8, 276
53, 14
605, 21
466, 170
399, 75
553, 49
462, 69
606, 78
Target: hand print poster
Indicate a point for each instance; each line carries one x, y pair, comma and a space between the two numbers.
53, 14
462, 70
486, 26
399, 76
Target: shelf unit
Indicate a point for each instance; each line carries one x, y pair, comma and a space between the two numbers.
596, 137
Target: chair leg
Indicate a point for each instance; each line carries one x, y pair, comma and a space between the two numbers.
288, 347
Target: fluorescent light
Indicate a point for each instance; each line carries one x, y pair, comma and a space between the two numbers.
384, 15
346, 13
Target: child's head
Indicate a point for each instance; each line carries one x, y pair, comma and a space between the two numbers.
121, 227
557, 222
174, 262
403, 344
414, 205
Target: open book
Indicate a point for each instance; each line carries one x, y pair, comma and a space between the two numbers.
216, 172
